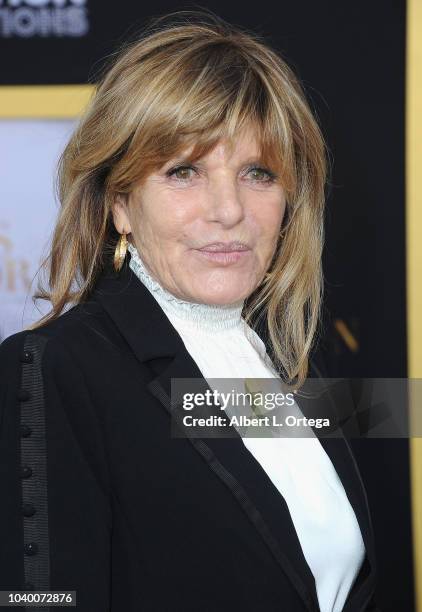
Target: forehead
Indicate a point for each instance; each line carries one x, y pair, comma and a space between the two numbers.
244, 144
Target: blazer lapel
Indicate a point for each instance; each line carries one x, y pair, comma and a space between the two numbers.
152, 337
338, 449
338, 404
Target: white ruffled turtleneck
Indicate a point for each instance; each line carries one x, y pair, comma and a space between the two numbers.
225, 347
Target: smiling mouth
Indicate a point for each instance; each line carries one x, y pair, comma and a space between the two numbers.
224, 257
225, 247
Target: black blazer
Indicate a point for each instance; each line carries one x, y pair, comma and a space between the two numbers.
98, 497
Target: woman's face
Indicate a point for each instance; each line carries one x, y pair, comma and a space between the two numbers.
207, 232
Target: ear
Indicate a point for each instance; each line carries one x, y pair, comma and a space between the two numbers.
119, 211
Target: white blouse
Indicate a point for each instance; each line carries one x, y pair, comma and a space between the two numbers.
223, 345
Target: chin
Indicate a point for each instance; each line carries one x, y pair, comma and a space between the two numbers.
220, 298
220, 287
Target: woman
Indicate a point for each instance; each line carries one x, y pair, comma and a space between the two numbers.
192, 197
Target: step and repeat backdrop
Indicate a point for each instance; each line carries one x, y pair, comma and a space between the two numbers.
354, 62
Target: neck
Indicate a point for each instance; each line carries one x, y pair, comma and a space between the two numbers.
196, 314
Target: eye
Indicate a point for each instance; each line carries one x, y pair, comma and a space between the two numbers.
269, 177
180, 172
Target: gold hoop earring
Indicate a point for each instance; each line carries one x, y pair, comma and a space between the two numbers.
120, 252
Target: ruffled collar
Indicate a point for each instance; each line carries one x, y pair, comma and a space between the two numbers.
202, 316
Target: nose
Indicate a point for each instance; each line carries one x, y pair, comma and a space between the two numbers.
224, 204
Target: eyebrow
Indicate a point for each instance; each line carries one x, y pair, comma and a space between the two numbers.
185, 160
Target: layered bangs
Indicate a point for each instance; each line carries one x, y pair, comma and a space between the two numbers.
209, 93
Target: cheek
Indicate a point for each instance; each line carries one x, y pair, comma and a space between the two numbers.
162, 222
268, 218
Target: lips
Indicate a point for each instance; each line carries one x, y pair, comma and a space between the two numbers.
225, 253
225, 247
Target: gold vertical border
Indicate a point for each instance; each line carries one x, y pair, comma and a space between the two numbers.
414, 262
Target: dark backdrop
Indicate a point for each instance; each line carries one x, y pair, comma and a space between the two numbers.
351, 59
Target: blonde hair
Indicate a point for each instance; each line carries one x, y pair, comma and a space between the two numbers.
192, 81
